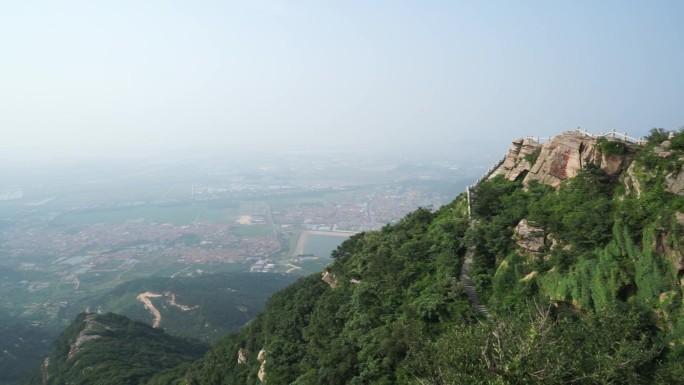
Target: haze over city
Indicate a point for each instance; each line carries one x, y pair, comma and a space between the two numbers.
84, 79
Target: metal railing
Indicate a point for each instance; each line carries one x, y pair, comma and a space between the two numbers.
539, 139
613, 134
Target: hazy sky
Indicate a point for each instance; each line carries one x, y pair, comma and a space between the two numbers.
129, 77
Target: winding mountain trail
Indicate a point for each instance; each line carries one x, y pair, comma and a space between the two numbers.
145, 299
173, 302
466, 268
470, 288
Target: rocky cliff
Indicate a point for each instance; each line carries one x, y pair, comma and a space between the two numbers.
563, 157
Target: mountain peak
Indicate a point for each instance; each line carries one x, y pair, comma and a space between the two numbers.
564, 155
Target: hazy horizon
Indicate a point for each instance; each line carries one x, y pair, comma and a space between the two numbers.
162, 78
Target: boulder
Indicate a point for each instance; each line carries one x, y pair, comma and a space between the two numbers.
680, 217
529, 237
662, 149
674, 182
612, 164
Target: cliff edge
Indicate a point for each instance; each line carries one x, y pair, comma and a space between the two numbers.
563, 156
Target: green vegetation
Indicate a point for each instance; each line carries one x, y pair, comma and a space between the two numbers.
533, 156
656, 136
111, 349
599, 303
612, 147
215, 304
600, 273
677, 141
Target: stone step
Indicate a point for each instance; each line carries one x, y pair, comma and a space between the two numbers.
469, 286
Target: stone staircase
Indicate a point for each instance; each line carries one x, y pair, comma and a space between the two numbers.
470, 288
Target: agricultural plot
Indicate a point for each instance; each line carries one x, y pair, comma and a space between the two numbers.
177, 215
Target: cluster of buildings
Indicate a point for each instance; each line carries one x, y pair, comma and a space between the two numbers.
368, 212
111, 246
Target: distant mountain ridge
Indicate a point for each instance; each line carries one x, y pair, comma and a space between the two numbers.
111, 349
205, 307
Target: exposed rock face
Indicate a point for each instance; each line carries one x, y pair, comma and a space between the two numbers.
674, 182
516, 163
44, 369
662, 149
680, 217
529, 237
262, 370
330, 279
86, 334
612, 164
632, 182
559, 159
562, 158
242, 356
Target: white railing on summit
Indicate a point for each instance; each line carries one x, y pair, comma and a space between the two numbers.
612, 134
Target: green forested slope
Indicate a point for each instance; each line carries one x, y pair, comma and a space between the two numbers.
600, 304
600, 301
111, 349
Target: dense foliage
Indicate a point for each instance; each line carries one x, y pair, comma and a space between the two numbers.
398, 314
404, 280
111, 349
600, 303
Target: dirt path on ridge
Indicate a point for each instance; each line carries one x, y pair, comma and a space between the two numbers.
145, 299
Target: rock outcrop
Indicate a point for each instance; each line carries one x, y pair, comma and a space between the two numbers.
663, 149
632, 182
242, 356
517, 161
674, 182
86, 334
529, 237
561, 158
330, 279
262, 369
680, 217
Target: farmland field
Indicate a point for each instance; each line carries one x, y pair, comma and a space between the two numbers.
176, 214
